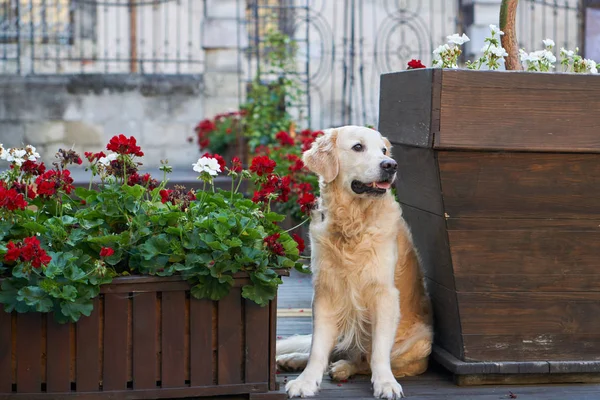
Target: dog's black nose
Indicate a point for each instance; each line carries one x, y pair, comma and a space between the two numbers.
389, 166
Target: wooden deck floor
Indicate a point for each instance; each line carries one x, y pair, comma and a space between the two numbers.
294, 306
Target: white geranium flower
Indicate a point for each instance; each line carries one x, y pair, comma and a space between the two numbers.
440, 49
497, 51
3, 152
548, 43
591, 66
457, 39
207, 164
108, 159
16, 156
566, 53
495, 31
548, 56
32, 154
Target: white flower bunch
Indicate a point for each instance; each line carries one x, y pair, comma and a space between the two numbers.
573, 62
18, 156
446, 55
207, 165
107, 160
541, 60
493, 51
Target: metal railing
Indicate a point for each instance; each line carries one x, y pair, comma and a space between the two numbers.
101, 36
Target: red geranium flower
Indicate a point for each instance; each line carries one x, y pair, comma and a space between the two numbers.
262, 165
11, 199
273, 245
300, 241
27, 251
106, 252
164, 195
51, 181
236, 165
306, 201
205, 126
91, 157
123, 145
415, 64
33, 168
284, 138
279, 187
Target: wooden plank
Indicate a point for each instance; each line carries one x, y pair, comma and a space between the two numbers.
418, 182
144, 340
273, 385
172, 343
230, 338
257, 343
5, 352
29, 353
554, 119
447, 327
405, 107
520, 185
88, 354
522, 313
519, 224
558, 347
201, 350
115, 342
230, 391
58, 356
519, 260
430, 238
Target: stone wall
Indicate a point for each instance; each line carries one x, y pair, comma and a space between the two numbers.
85, 111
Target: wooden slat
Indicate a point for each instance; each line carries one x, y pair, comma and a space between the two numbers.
430, 238
88, 356
115, 342
273, 385
29, 350
201, 360
447, 326
520, 185
519, 260
520, 224
561, 347
144, 340
257, 343
58, 356
534, 112
418, 182
405, 107
173, 334
5, 352
230, 338
521, 313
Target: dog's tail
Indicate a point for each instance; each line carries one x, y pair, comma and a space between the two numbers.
294, 344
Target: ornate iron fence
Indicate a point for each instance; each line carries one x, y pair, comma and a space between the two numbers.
100, 36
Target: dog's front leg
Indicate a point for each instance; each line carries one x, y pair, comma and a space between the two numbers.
325, 332
387, 316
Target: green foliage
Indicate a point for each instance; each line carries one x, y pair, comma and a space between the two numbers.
89, 237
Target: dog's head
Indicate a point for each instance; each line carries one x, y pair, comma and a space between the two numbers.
357, 158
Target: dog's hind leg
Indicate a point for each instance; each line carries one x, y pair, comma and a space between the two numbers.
292, 362
292, 352
410, 357
344, 369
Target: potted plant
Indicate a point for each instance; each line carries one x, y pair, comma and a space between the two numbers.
132, 290
498, 171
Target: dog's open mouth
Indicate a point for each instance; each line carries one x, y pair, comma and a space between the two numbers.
371, 188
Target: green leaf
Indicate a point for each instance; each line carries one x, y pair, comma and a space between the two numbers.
260, 294
35, 297
210, 288
74, 310
84, 193
34, 227
154, 247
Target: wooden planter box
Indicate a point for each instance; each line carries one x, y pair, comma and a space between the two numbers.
146, 339
499, 180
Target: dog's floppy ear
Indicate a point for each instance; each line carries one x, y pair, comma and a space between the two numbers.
321, 158
388, 145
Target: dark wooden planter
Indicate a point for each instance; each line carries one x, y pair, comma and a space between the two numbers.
499, 180
146, 339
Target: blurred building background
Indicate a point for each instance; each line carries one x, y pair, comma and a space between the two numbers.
76, 72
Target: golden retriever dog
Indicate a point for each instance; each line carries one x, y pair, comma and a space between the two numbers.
371, 313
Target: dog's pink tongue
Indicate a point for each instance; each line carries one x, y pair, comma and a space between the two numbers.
383, 185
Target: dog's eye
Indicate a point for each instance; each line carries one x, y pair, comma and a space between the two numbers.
357, 147
384, 151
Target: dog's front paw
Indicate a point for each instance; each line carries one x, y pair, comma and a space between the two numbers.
303, 386
388, 389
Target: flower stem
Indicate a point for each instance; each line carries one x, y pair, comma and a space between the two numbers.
299, 225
